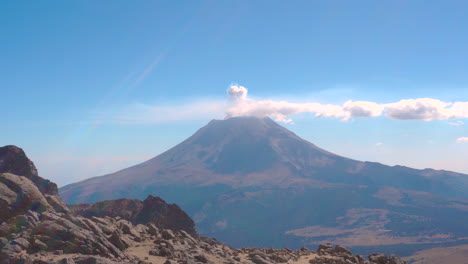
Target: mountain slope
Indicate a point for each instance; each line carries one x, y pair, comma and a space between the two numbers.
246, 151
252, 182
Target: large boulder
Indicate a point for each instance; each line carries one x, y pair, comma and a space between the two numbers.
18, 195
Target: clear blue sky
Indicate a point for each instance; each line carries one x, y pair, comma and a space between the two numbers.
73, 73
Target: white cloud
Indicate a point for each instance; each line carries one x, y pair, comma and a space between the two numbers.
456, 123
426, 109
281, 110
379, 144
462, 140
239, 104
362, 109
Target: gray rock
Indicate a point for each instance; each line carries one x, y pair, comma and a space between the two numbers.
37, 245
127, 228
168, 234
325, 247
341, 249
18, 194
117, 240
93, 260
3, 242
394, 259
378, 258
66, 261
22, 242
153, 230
201, 258
40, 261
257, 259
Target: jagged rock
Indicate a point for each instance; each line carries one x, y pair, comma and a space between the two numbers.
201, 258
188, 261
162, 251
152, 210
93, 260
257, 259
128, 228
153, 230
66, 261
341, 249
167, 234
117, 240
13, 160
3, 242
394, 259
279, 259
378, 258
142, 229
257, 253
57, 203
325, 247
23, 243
92, 225
37, 245
40, 261
18, 194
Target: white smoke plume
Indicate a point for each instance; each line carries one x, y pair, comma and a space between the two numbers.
426, 109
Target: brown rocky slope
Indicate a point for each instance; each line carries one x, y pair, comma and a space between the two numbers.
152, 210
36, 227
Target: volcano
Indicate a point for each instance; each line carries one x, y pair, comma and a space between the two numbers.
251, 182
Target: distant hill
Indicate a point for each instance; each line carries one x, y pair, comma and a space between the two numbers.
251, 182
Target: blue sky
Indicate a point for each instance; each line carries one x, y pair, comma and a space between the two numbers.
90, 87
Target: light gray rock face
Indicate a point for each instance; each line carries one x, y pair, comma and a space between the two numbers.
35, 221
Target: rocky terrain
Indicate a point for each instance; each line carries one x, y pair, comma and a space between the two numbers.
37, 227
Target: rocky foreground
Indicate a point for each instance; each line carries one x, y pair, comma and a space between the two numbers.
37, 227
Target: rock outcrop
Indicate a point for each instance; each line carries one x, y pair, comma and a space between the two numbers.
31, 225
34, 219
13, 160
152, 210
